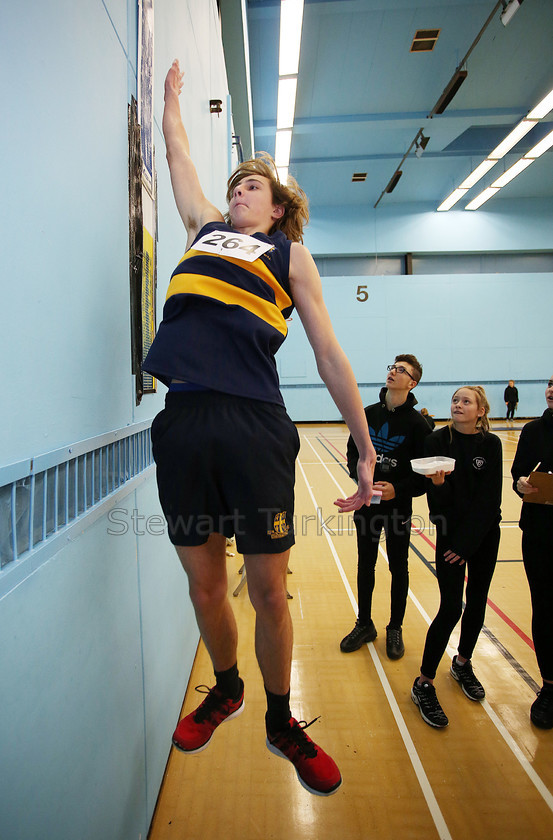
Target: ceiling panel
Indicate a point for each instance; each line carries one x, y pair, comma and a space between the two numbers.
363, 96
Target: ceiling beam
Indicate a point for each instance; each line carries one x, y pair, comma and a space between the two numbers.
417, 116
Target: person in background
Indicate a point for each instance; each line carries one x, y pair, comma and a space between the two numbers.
429, 419
465, 506
510, 396
535, 454
398, 432
224, 445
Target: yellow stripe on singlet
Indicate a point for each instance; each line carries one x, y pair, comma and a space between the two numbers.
258, 268
198, 284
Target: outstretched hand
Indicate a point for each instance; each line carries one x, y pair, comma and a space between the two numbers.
364, 492
173, 80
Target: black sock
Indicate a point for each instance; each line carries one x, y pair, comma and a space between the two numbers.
229, 683
278, 711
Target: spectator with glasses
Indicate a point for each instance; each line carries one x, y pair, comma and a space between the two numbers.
535, 453
398, 432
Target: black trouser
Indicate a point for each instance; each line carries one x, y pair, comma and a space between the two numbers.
511, 410
538, 565
369, 522
451, 577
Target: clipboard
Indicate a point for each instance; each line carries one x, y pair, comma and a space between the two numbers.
544, 482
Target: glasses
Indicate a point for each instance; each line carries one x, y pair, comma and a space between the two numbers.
400, 369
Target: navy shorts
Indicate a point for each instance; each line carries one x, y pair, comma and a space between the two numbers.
226, 465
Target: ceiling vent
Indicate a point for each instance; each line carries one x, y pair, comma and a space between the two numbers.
359, 176
425, 40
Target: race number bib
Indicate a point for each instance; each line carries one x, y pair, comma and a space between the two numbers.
237, 245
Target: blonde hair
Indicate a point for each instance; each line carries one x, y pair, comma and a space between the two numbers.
290, 195
482, 423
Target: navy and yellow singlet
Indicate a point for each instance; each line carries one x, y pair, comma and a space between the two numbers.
225, 314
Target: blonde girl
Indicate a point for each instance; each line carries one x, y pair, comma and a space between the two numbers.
465, 508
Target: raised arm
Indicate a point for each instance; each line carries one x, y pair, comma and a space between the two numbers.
333, 366
194, 208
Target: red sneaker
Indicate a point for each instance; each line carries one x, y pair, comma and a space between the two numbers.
195, 731
317, 771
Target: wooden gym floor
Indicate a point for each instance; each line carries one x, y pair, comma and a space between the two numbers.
488, 775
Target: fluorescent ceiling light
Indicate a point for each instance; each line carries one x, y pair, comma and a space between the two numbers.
542, 108
480, 199
286, 102
291, 18
540, 147
282, 174
512, 172
452, 199
512, 139
510, 10
282, 147
477, 173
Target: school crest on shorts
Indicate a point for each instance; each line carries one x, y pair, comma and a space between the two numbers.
280, 526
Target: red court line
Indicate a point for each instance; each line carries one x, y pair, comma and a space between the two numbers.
490, 603
341, 454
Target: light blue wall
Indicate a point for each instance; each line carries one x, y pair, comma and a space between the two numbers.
95, 656
502, 225
66, 267
98, 641
479, 328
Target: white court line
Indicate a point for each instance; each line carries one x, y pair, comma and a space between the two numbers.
426, 788
300, 603
507, 737
505, 734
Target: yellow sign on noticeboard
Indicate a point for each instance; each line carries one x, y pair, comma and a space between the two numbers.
148, 303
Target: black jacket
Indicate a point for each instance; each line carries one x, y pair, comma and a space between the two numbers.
510, 394
398, 436
535, 446
468, 504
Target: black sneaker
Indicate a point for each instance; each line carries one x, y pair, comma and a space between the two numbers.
464, 674
394, 642
424, 696
541, 711
359, 636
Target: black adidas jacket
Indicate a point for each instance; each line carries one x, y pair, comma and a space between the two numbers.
398, 436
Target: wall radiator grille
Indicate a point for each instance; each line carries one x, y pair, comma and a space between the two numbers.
41, 497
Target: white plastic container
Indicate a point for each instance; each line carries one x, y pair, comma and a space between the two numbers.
431, 465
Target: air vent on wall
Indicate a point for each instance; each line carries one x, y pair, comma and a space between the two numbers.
359, 176
425, 40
